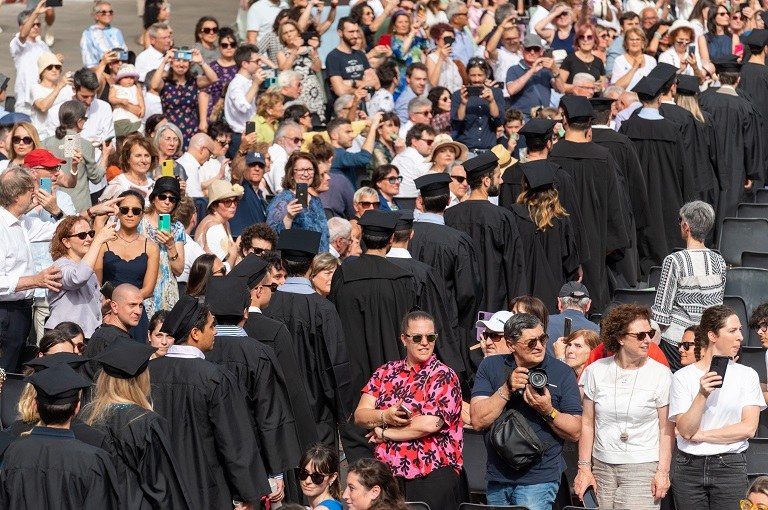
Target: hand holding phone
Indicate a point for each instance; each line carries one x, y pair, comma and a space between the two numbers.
567, 325
719, 365
69, 145
167, 168
164, 222
590, 498
302, 194
474, 90
250, 127
45, 184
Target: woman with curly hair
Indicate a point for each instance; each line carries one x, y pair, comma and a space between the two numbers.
269, 111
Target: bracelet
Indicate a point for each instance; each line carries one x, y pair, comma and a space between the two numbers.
383, 423
89, 213
505, 398
657, 35
584, 463
175, 257
382, 434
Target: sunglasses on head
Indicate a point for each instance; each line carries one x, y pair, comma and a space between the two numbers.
640, 335
431, 337
459, 178
26, 140
543, 339
209, 30
227, 46
83, 235
303, 474
686, 345
134, 210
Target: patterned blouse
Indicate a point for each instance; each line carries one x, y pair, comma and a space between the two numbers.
430, 389
311, 218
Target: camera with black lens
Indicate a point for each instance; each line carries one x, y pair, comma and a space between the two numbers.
537, 378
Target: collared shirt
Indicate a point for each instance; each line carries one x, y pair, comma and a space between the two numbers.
146, 61
222, 330
428, 389
191, 167
650, 114
504, 60
79, 296
401, 104
237, 110
428, 217
411, 165
25, 57
99, 126
350, 163
252, 209
478, 128
625, 114
536, 92
399, 253
184, 351
96, 41
41, 251
254, 309
464, 47
54, 432
333, 252
297, 285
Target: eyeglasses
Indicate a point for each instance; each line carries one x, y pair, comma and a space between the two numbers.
222, 271
459, 178
736, 17
167, 198
223, 142
393, 180
53, 66
104, 13
586, 37
272, 286
134, 210
428, 113
209, 30
294, 139
745, 504
229, 201
303, 474
543, 339
428, 141
604, 36
492, 335
369, 205
686, 345
82, 235
36, 24
227, 46
431, 337
50, 169
26, 140
308, 170
640, 335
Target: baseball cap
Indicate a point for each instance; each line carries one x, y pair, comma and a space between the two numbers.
496, 322
573, 289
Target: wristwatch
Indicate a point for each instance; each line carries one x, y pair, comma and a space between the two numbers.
549, 418
59, 216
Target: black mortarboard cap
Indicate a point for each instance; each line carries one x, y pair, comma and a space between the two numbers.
480, 164
539, 128
687, 85
577, 108
405, 221
648, 88
58, 384
539, 174
73, 360
125, 359
182, 316
433, 185
664, 72
727, 64
295, 242
601, 104
251, 269
376, 221
757, 38
227, 296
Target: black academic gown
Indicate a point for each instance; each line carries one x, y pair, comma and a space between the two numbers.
500, 253
323, 361
550, 256
594, 173
262, 382
82, 431
147, 470
738, 146
669, 180
372, 296
275, 335
634, 193
104, 336
754, 86
218, 455
50, 469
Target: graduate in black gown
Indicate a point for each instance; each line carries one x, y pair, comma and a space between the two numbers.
256, 369
372, 295
147, 471
49, 468
594, 172
317, 336
753, 83
218, 454
740, 156
548, 238
494, 233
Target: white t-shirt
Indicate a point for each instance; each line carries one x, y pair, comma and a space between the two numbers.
25, 57
538, 14
261, 17
621, 66
192, 250
626, 400
741, 388
47, 122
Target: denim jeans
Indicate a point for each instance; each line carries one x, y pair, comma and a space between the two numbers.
540, 496
712, 482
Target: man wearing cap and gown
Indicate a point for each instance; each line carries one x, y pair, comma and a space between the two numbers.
372, 295
317, 336
256, 369
494, 232
538, 136
49, 468
551, 256
597, 187
219, 457
626, 271
753, 82
740, 155
147, 470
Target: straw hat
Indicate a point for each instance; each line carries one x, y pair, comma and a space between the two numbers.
505, 157
221, 190
45, 60
444, 140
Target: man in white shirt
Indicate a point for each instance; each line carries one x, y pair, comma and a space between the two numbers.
261, 16
160, 41
26, 47
287, 141
200, 149
240, 101
412, 161
419, 112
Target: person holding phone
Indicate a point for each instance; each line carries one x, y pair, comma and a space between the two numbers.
477, 110
682, 54
442, 69
715, 417
213, 233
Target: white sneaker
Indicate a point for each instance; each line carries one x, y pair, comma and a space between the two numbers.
48, 38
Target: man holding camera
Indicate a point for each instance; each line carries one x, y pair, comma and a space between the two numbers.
544, 392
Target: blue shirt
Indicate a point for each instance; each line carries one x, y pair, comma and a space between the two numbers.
340, 196
478, 129
614, 50
251, 209
350, 164
536, 91
556, 323
311, 218
297, 285
96, 41
401, 104
491, 375
463, 48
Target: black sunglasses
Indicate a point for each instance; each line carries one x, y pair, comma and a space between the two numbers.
458, 179
227, 46
83, 235
272, 286
53, 66
167, 198
533, 341
134, 210
209, 30
26, 140
492, 335
303, 474
686, 345
431, 338
257, 251
640, 335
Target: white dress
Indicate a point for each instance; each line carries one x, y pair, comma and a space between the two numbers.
131, 94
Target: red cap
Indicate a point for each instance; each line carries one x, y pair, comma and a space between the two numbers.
42, 157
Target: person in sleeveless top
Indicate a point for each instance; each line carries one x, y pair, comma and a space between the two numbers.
318, 475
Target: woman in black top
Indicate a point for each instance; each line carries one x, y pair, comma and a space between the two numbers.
583, 60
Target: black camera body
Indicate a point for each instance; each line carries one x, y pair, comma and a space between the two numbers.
537, 378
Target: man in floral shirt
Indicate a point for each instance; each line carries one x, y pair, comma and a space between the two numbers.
413, 409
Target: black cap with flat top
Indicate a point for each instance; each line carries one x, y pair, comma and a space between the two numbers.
297, 242
483, 163
433, 185
541, 128
648, 88
601, 104
125, 359
73, 360
379, 222
539, 174
757, 38
251, 269
227, 296
577, 108
182, 316
58, 384
687, 85
405, 221
728, 64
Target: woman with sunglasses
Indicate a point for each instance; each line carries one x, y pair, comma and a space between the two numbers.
204, 267
583, 59
213, 233
386, 180
24, 139
319, 477
137, 159
757, 495
626, 437
715, 417
163, 200
681, 35
441, 109
212, 97
75, 250
53, 87
718, 42
285, 211
690, 350
562, 36
206, 34
131, 258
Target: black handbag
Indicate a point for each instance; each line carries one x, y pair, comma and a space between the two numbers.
515, 441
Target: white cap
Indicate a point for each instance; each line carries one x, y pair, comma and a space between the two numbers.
496, 322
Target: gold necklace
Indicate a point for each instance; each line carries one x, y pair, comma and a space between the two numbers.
126, 241
624, 435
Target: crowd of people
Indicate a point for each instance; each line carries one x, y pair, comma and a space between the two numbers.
225, 268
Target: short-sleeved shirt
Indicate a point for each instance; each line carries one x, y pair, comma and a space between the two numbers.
491, 375
537, 90
574, 65
429, 389
350, 66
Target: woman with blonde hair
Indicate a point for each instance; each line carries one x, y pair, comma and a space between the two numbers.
23, 140
269, 111
147, 471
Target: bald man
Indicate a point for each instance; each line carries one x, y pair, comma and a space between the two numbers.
627, 104
201, 148
124, 313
